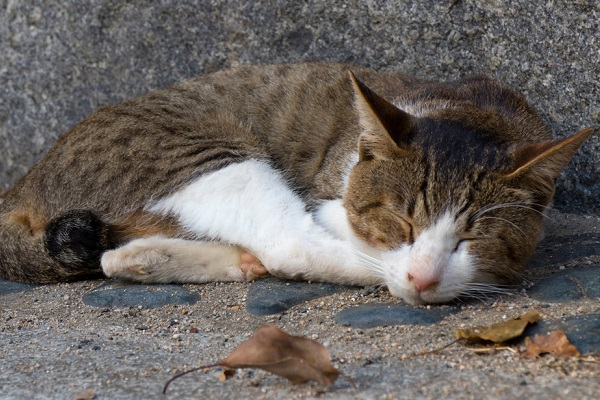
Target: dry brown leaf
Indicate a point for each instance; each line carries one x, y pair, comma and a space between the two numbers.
501, 332
556, 342
293, 357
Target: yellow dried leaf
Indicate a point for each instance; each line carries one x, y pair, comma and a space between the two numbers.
501, 332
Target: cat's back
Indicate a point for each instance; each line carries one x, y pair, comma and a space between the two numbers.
150, 145
300, 116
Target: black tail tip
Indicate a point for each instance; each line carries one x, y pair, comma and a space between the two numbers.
77, 239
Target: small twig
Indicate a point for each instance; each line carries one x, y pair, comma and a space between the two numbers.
491, 349
179, 375
589, 359
349, 379
434, 351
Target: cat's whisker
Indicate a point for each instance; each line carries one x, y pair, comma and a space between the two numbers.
489, 208
489, 288
478, 290
486, 292
370, 263
484, 210
513, 275
404, 191
481, 296
368, 257
459, 300
507, 221
528, 206
373, 267
496, 285
381, 285
483, 299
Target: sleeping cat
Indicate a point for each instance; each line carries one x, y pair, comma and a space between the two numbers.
435, 190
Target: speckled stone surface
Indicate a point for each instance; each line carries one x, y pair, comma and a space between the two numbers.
62, 59
7, 287
373, 315
121, 294
272, 296
558, 250
568, 285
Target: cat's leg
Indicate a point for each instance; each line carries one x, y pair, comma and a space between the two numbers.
250, 204
163, 260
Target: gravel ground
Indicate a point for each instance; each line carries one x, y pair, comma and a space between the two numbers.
52, 346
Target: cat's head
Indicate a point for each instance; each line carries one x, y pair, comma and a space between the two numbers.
448, 201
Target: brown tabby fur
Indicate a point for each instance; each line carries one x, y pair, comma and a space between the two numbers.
304, 119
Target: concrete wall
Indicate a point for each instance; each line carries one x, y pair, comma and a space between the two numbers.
59, 60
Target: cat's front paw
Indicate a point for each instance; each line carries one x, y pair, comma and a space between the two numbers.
251, 267
132, 262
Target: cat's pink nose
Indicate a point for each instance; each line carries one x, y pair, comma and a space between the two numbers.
422, 283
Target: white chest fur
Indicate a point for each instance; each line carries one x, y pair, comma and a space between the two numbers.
249, 204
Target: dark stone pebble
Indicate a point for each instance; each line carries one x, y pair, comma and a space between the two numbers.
571, 284
582, 330
272, 295
7, 287
373, 315
121, 294
558, 250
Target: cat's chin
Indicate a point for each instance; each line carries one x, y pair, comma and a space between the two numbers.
408, 293
414, 298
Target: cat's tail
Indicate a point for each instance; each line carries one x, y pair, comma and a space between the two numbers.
65, 248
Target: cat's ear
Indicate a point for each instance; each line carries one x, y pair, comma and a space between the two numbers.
386, 129
539, 164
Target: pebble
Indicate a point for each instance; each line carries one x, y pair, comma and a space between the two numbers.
122, 294
386, 314
7, 287
568, 285
271, 295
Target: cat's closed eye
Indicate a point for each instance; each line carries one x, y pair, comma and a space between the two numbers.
410, 230
364, 208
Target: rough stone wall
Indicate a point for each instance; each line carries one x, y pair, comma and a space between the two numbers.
60, 59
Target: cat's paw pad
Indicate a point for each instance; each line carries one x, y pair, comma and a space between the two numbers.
132, 263
251, 267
